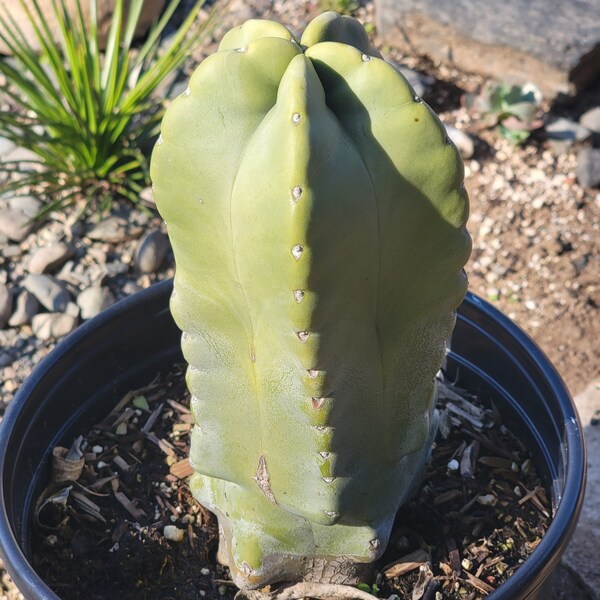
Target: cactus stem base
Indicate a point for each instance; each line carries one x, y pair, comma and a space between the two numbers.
297, 591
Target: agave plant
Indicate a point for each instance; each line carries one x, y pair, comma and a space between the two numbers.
87, 114
317, 214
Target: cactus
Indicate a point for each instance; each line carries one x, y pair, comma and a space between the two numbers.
317, 215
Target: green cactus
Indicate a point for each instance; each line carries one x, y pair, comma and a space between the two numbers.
317, 216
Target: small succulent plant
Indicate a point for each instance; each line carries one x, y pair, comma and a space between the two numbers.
317, 215
512, 108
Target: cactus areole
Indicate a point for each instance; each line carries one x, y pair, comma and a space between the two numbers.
317, 215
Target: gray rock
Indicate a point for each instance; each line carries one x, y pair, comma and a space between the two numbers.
49, 258
420, 83
28, 205
551, 43
591, 119
114, 269
588, 167
5, 304
52, 325
14, 224
16, 219
12, 251
147, 196
73, 310
5, 359
94, 300
566, 130
178, 88
27, 306
112, 229
462, 141
131, 287
5, 146
151, 251
26, 159
49, 291
76, 230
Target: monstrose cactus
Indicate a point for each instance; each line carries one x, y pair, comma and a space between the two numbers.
317, 216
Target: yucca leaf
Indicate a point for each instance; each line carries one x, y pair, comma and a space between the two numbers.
152, 39
50, 51
166, 63
86, 114
29, 61
109, 70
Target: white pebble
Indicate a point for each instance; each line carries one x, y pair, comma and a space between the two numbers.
97, 449
205, 571
487, 500
453, 465
174, 534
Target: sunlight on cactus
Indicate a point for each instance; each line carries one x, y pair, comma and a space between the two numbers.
317, 215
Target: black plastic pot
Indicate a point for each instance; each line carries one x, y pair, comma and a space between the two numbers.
122, 349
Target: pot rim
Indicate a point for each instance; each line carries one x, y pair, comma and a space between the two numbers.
543, 560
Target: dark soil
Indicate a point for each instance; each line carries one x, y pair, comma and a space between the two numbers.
480, 512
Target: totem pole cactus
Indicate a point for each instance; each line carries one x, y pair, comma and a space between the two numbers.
317, 216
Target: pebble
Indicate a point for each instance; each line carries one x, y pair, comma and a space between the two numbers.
14, 224
147, 197
5, 359
420, 83
566, 130
28, 205
52, 325
94, 300
131, 287
48, 290
151, 251
27, 306
115, 268
462, 141
49, 258
23, 154
173, 533
72, 309
6, 146
591, 119
112, 230
5, 305
588, 167
178, 88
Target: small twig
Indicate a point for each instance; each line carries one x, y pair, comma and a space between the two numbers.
306, 589
152, 419
180, 408
134, 511
407, 563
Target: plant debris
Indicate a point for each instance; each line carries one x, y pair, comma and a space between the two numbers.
129, 528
